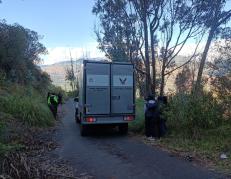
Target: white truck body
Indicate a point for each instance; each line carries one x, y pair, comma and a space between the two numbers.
106, 93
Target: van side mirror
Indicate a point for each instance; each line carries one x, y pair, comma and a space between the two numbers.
76, 99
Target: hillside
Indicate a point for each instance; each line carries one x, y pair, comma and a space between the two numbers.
57, 72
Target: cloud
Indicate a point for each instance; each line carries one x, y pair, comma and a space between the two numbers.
58, 54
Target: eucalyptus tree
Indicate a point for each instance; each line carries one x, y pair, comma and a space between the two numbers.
124, 32
116, 28
178, 24
155, 15
214, 18
120, 33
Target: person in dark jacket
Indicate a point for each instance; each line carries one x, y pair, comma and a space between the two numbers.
152, 118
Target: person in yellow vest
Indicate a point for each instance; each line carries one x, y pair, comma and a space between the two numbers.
53, 101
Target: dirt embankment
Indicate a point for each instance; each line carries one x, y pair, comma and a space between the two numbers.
32, 153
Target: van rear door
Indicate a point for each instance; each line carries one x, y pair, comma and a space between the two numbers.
122, 89
97, 88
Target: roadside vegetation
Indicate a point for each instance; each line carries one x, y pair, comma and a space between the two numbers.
72, 94
137, 126
201, 132
26, 104
198, 126
24, 113
156, 37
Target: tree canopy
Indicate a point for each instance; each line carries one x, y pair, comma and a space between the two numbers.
146, 31
20, 52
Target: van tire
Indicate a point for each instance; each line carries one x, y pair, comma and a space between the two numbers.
123, 129
83, 130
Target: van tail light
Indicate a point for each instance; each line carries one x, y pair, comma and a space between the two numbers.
90, 119
128, 118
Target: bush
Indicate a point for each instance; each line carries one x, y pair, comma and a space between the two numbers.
72, 94
1, 131
20, 51
137, 126
27, 105
191, 114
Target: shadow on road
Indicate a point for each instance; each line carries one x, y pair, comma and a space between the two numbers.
101, 131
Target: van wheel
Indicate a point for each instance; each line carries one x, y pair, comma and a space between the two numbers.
83, 130
123, 129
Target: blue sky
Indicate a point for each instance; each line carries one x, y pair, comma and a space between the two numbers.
66, 25
63, 24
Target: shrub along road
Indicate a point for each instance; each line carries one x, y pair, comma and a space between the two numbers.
106, 154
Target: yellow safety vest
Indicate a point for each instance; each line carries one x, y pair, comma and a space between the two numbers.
55, 99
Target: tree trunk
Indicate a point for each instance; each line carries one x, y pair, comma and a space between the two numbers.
147, 62
153, 63
197, 88
162, 84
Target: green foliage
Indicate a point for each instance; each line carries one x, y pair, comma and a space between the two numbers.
27, 105
6, 148
213, 139
42, 83
1, 127
221, 86
220, 75
2, 77
72, 93
137, 126
117, 33
212, 143
190, 115
20, 51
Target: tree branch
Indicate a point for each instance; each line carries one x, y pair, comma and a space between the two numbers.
224, 18
194, 54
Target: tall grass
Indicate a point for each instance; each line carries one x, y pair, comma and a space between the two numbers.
5, 147
27, 105
137, 126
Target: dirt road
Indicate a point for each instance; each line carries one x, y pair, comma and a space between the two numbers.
105, 154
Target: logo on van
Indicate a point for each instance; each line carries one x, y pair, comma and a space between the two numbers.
122, 81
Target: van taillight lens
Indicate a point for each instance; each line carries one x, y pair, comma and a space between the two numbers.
128, 118
90, 119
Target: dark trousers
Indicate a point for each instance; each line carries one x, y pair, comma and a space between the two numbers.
152, 127
53, 109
